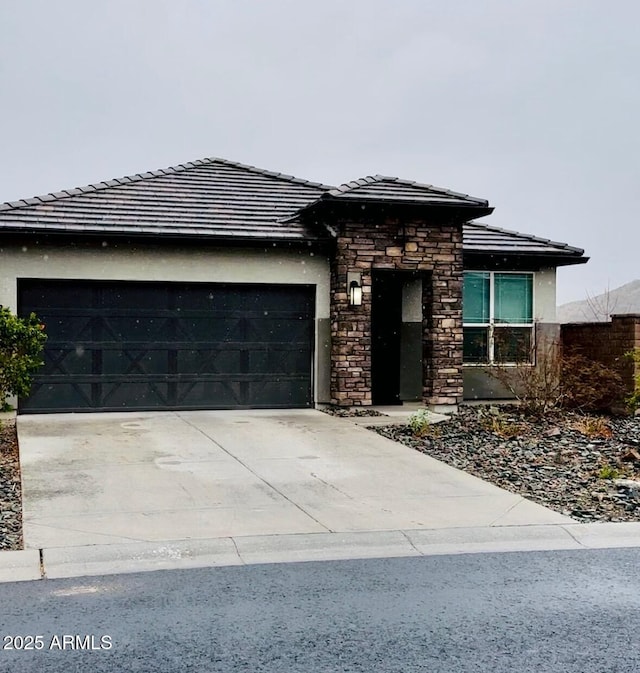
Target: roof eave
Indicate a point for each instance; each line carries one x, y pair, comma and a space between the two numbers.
551, 258
172, 236
461, 211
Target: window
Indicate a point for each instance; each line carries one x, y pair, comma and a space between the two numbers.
497, 311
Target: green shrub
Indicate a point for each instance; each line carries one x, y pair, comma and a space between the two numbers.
21, 344
633, 401
419, 423
608, 472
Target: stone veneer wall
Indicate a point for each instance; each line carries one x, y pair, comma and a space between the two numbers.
607, 343
410, 245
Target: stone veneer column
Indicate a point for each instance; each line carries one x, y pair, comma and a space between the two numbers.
411, 245
442, 341
350, 326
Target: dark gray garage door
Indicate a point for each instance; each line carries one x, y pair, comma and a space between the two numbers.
171, 345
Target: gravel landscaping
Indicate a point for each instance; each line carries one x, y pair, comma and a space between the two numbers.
10, 488
587, 467
347, 412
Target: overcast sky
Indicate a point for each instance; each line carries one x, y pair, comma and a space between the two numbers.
532, 104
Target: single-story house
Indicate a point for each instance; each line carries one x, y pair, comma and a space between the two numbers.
213, 284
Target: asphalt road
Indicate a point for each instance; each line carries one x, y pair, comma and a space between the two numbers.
544, 611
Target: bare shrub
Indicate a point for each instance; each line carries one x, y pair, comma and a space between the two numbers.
593, 426
589, 385
502, 427
560, 380
536, 386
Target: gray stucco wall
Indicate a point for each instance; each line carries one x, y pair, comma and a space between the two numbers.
106, 261
479, 385
102, 261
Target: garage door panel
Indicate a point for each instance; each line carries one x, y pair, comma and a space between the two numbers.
66, 327
275, 362
70, 296
134, 361
131, 328
134, 296
211, 362
58, 395
169, 345
218, 394
135, 394
279, 331
209, 329
276, 392
69, 361
204, 299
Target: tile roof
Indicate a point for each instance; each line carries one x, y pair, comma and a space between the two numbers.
483, 238
209, 197
216, 198
385, 188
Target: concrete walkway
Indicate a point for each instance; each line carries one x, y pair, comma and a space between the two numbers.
124, 492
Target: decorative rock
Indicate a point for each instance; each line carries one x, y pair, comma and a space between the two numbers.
346, 412
547, 460
630, 485
630, 456
10, 494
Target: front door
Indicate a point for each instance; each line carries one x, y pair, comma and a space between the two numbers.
386, 324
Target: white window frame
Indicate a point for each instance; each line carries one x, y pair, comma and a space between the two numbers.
492, 325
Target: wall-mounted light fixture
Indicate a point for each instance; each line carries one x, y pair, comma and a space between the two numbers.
354, 287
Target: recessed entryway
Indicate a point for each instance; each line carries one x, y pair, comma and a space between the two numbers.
396, 336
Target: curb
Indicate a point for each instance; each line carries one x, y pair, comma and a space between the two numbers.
20, 566
81, 561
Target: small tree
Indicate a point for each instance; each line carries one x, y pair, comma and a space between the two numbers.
21, 344
601, 307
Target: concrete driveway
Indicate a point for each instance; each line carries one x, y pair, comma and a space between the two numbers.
92, 479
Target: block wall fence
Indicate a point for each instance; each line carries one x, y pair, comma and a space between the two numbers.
606, 343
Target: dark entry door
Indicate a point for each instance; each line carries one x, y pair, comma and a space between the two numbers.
141, 346
386, 324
